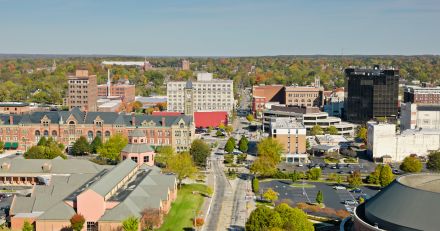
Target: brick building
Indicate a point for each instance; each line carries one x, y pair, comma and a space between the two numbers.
304, 96
14, 108
421, 95
125, 91
82, 91
265, 94
67, 126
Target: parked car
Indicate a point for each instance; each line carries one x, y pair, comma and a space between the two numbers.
356, 190
350, 202
339, 187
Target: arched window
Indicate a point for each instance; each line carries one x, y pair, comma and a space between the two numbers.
107, 133
181, 125
37, 133
90, 135
46, 133
72, 122
99, 133
309, 100
54, 133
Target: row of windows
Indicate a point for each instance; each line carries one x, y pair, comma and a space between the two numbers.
303, 95
135, 159
78, 81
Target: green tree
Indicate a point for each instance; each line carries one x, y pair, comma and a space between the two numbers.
42, 141
50, 151
250, 118
270, 148
80, 147
219, 133
294, 176
2, 145
386, 176
332, 130
314, 173
229, 129
411, 164
373, 178
130, 223
362, 133
319, 197
354, 179
230, 145
293, 218
255, 185
243, 144
27, 226
263, 218
200, 151
164, 155
183, 166
96, 144
270, 195
112, 148
316, 130
77, 222
221, 127
434, 161
264, 166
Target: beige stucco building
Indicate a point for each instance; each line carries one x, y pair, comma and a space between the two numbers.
205, 94
82, 91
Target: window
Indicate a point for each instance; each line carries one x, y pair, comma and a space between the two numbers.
107, 133
99, 133
134, 158
54, 133
92, 226
147, 159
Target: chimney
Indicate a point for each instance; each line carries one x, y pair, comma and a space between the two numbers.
133, 119
11, 119
163, 121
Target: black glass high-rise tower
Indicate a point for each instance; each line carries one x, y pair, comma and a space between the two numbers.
370, 93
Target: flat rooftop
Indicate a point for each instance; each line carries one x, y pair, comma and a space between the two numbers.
425, 182
286, 123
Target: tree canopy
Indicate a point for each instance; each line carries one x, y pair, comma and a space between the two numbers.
362, 133
200, 151
316, 130
354, 179
243, 144
130, 224
411, 164
183, 166
96, 144
48, 149
80, 147
382, 175
332, 130
112, 148
77, 222
434, 161
164, 155
269, 155
282, 217
230, 145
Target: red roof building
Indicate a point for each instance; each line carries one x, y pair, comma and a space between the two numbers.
210, 119
201, 119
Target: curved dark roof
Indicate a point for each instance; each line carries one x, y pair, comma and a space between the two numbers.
410, 202
137, 133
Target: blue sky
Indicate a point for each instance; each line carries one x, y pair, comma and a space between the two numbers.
220, 28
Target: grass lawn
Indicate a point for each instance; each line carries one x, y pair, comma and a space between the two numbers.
182, 210
299, 185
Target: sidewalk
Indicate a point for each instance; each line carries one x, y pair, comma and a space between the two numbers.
206, 206
7, 153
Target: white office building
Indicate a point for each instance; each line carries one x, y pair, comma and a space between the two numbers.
205, 94
414, 116
384, 141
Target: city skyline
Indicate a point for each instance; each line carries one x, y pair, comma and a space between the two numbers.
200, 28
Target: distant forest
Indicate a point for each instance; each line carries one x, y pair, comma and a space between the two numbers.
29, 78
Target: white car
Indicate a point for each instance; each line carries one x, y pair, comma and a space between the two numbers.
350, 202
339, 187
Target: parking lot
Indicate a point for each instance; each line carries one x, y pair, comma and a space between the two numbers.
332, 198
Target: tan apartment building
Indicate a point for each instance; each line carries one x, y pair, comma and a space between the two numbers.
304, 96
291, 133
82, 91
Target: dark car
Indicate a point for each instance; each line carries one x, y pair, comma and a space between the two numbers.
356, 190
